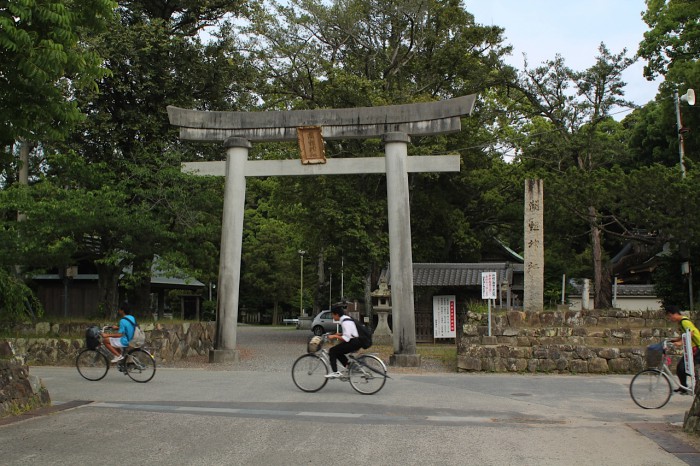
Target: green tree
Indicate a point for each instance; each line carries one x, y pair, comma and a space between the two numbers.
270, 260
155, 60
671, 49
314, 54
673, 38
45, 59
572, 142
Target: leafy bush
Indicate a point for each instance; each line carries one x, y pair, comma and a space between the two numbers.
17, 301
209, 310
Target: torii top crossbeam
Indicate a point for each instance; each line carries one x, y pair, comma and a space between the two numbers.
347, 123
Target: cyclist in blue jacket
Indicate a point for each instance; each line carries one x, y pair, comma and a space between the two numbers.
116, 342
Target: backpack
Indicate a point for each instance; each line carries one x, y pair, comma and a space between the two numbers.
694, 334
364, 333
139, 337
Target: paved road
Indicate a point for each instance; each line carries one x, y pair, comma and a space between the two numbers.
258, 417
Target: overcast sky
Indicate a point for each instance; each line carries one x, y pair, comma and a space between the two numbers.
572, 28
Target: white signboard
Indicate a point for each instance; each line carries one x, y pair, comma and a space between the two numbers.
488, 285
444, 316
688, 358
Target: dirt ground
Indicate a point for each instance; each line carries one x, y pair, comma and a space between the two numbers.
274, 349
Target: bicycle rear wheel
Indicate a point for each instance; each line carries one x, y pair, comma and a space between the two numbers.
140, 366
92, 364
650, 389
367, 374
309, 373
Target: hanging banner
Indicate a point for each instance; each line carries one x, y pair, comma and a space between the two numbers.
444, 316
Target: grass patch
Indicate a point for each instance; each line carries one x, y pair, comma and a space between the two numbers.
446, 354
443, 355
17, 408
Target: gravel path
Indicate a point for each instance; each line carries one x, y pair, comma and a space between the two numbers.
274, 349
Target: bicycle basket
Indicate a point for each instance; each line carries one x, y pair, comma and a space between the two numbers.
92, 337
315, 344
653, 355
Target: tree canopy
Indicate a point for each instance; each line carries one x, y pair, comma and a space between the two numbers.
45, 59
673, 38
105, 184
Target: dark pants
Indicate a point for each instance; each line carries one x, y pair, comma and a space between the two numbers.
680, 368
338, 352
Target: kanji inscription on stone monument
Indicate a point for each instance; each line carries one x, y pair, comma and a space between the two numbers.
533, 300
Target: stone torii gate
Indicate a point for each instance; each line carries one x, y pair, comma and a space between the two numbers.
394, 124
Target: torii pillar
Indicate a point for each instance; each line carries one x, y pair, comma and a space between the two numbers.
393, 124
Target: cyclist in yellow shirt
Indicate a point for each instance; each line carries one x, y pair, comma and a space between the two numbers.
673, 314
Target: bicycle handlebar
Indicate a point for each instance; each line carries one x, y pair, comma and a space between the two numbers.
666, 344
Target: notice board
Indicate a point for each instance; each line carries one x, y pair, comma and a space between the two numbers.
445, 316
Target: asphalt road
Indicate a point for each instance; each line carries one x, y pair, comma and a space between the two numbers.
256, 416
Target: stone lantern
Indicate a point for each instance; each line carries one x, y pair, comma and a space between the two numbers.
381, 302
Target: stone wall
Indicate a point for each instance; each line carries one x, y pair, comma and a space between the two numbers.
40, 345
590, 341
19, 391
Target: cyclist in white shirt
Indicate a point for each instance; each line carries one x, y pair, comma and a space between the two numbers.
349, 342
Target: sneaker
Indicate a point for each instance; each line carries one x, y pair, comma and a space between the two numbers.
682, 391
334, 375
117, 358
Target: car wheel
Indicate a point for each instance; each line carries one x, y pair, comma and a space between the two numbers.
318, 330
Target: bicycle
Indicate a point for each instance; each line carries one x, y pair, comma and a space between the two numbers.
652, 388
366, 372
93, 364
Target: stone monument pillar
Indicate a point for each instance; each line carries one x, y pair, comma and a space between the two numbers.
533, 299
586, 295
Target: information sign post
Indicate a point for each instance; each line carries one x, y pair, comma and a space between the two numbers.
488, 290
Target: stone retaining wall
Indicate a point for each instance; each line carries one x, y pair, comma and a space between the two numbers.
19, 391
593, 341
168, 342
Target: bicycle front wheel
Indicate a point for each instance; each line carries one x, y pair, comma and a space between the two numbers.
140, 366
309, 373
367, 374
92, 364
650, 389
